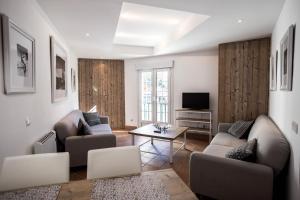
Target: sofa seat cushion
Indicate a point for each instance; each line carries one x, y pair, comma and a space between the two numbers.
100, 128
217, 150
226, 139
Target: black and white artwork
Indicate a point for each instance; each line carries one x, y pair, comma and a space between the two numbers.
73, 79
287, 59
19, 58
22, 65
59, 71
273, 72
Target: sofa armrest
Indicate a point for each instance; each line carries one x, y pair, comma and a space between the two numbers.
104, 119
78, 146
224, 178
223, 127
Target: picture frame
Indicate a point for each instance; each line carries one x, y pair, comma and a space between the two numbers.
73, 79
18, 58
59, 71
273, 72
287, 59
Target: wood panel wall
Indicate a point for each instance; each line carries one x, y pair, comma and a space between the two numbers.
243, 79
101, 84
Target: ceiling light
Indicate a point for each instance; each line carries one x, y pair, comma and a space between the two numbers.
87, 35
240, 21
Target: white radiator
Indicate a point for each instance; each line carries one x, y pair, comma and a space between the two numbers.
46, 144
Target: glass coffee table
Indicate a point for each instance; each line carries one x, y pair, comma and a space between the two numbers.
170, 135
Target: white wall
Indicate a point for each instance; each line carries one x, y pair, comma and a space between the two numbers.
16, 138
284, 106
195, 72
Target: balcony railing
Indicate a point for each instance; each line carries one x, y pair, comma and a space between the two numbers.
162, 112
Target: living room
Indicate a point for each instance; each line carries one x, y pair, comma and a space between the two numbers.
199, 95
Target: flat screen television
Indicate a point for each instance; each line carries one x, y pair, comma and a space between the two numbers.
195, 100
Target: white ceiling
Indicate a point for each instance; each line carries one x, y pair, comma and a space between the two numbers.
100, 18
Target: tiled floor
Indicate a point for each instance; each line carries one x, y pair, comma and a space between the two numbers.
155, 162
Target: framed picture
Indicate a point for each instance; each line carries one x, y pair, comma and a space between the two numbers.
73, 79
18, 57
273, 72
59, 70
286, 59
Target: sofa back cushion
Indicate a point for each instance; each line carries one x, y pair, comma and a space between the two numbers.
68, 126
240, 128
272, 147
91, 118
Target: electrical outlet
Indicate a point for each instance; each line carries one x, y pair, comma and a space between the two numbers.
295, 127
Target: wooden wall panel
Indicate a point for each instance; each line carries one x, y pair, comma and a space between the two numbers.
101, 84
243, 79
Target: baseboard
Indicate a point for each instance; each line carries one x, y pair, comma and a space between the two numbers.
197, 136
130, 128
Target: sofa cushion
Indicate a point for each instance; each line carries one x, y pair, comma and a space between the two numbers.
92, 118
217, 150
245, 152
240, 128
101, 128
83, 128
272, 147
68, 126
226, 139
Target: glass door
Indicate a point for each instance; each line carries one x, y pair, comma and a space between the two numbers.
162, 96
146, 97
154, 96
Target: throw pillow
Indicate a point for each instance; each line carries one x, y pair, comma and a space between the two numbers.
83, 128
92, 118
245, 152
240, 128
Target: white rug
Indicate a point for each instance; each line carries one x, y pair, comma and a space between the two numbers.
142, 187
36, 193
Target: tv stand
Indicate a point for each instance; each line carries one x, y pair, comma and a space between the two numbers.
198, 121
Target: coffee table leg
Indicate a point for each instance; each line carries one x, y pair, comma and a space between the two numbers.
132, 139
171, 151
151, 140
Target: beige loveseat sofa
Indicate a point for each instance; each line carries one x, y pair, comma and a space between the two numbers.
68, 139
213, 175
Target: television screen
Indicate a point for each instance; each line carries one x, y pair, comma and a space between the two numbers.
195, 100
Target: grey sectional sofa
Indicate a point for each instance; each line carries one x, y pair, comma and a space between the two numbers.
213, 175
78, 145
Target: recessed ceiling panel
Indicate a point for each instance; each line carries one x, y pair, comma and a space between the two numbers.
142, 25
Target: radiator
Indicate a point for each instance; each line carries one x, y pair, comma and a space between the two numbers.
46, 144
